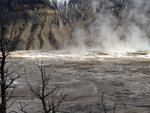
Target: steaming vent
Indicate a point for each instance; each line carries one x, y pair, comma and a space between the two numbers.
120, 27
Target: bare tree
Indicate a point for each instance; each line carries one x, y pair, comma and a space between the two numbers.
78, 10
54, 4
104, 106
49, 97
51, 3
6, 77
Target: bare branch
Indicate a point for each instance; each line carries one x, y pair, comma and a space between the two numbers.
11, 82
50, 92
10, 96
22, 107
103, 105
114, 109
11, 104
35, 93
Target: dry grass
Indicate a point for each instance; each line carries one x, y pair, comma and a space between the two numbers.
132, 111
137, 53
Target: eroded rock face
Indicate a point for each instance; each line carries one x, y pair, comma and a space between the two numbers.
40, 27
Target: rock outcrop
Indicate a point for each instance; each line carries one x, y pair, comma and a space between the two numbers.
38, 27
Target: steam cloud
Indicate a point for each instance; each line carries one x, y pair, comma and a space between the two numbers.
108, 33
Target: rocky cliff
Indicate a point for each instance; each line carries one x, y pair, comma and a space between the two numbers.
36, 27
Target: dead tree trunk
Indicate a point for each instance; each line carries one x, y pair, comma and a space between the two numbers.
2, 70
6, 79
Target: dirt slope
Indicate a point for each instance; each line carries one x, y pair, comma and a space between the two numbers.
40, 27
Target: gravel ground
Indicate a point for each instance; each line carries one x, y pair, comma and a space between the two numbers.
124, 82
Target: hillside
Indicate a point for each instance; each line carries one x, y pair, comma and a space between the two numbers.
36, 26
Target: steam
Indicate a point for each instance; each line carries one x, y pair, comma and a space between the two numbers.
108, 33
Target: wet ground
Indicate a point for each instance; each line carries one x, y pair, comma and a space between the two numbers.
124, 81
